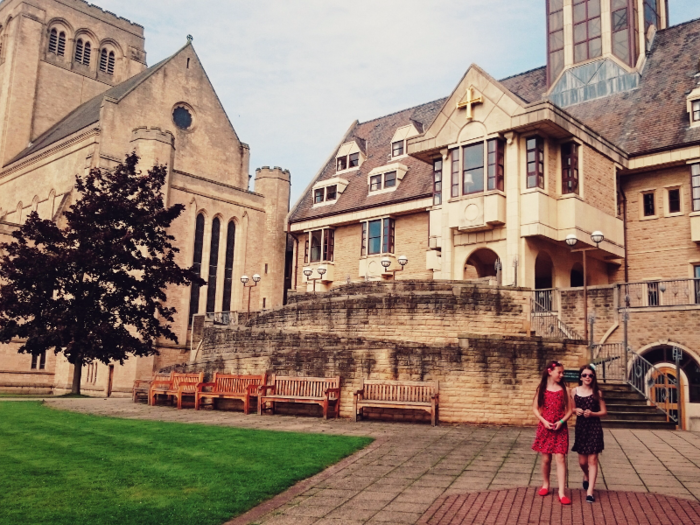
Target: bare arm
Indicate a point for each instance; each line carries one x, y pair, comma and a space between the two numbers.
538, 415
569, 413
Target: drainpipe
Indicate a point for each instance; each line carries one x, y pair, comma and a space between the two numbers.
624, 226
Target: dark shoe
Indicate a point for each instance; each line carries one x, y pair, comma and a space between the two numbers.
585, 485
590, 499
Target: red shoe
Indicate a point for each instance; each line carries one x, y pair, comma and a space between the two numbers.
543, 491
564, 500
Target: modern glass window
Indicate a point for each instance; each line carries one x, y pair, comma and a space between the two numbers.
696, 110
353, 160
331, 192
495, 171
378, 236
228, 266
555, 41
588, 41
342, 163
569, 168
648, 203
624, 29
316, 243
437, 182
318, 195
455, 172
197, 265
473, 181
674, 200
397, 148
695, 185
535, 162
213, 264
390, 179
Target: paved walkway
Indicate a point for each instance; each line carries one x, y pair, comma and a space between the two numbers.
411, 468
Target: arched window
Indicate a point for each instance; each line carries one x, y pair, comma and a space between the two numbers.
213, 264
53, 41
82, 52
228, 274
197, 264
57, 42
107, 61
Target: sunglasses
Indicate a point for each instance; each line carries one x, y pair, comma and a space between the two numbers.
586, 375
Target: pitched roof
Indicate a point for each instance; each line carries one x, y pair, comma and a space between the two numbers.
377, 135
86, 114
529, 86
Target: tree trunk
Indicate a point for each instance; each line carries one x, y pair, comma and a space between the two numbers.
77, 377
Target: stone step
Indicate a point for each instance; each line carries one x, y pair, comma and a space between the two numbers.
632, 395
631, 407
638, 425
656, 415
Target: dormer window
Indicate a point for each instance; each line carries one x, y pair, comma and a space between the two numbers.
696, 111
342, 163
318, 195
375, 183
329, 193
349, 156
397, 148
390, 179
353, 160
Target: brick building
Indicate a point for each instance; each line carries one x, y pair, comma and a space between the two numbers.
491, 181
76, 93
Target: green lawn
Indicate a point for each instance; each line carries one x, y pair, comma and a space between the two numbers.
66, 468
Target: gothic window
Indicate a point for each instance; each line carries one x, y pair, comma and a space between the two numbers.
496, 169
437, 182
695, 185
569, 168
535, 162
228, 266
107, 61
587, 30
57, 42
555, 42
82, 52
213, 264
197, 264
473, 181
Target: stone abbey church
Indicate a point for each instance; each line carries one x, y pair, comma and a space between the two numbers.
75, 94
553, 214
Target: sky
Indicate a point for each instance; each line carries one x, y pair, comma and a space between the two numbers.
294, 75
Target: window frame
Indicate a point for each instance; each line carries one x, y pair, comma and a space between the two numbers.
555, 8
695, 110
319, 246
456, 172
385, 240
570, 169
495, 166
315, 243
472, 170
695, 187
631, 27
677, 190
536, 178
586, 22
334, 194
387, 179
399, 146
341, 160
375, 182
197, 257
353, 160
437, 181
645, 208
319, 195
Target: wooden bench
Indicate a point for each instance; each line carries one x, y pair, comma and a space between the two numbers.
416, 395
180, 385
228, 386
324, 391
143, 386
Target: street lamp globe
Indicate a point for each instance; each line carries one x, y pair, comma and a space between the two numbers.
597, 237
244, 279
308, 272
321, 270
256, 278
571, 240
386, 262
403, 260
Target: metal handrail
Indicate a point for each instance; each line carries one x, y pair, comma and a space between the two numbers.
547, 324
670, 292
544, 300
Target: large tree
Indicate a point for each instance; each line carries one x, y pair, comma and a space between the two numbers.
94, 289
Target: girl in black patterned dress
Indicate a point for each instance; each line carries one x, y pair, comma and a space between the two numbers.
590, 407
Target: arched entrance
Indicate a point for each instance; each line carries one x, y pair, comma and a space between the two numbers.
665, 391
481, 263
544, 271
576, 275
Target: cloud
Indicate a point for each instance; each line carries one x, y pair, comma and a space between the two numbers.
293, 75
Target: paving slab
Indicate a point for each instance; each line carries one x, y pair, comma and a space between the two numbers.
460, 473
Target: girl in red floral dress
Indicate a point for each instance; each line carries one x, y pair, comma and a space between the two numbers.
552, 408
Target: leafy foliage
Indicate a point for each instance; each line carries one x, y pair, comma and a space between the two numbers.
95, 289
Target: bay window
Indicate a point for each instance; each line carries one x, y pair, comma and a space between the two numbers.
535, 162
437, 182
378, 236
473, 181
695, 185
496, 170
319, 246
569, 168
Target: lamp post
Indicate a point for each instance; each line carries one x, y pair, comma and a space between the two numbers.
321, 270
597, 237
244, 280
498, 266
386, 262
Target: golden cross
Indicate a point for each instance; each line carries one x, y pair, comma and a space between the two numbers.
470, 102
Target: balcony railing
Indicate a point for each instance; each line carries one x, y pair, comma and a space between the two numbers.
674, 292
544, 301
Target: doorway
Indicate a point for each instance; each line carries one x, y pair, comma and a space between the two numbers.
666, 394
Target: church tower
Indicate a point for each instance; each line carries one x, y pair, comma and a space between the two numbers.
54, 56
598, 47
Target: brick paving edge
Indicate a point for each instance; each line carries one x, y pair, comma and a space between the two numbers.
285, 497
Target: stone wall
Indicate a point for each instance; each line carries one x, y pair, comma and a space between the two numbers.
483, 379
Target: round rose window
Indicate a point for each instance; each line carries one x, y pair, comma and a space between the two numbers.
182, 117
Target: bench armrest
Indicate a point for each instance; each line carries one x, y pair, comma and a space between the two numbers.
253, 390
332, 391
201, 386
161, 383
262, 390
139, 383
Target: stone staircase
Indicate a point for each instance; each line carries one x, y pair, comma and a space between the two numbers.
627, 408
